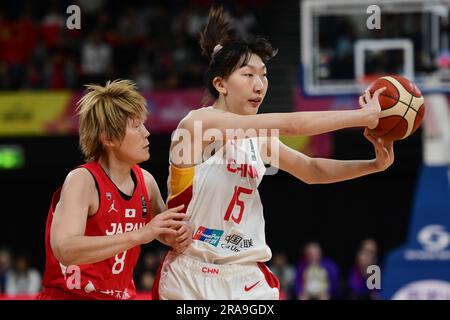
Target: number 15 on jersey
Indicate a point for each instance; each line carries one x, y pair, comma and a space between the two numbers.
235, 201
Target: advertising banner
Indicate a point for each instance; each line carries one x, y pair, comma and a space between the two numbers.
46, 113
420, 270
30, 113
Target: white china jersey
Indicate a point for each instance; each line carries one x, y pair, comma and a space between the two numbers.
222, 201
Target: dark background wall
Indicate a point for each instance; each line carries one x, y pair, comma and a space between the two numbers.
337, 215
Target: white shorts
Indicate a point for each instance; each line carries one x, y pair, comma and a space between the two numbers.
183, 278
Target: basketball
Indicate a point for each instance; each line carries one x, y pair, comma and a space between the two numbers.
402, 107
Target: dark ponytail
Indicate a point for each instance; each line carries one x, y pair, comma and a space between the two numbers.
218, 30
234, 53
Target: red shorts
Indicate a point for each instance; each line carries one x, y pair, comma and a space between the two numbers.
60, 294
57, 294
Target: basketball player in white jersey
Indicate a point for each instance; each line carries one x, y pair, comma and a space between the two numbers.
218, 184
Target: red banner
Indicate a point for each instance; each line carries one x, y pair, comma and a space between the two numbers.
167, 108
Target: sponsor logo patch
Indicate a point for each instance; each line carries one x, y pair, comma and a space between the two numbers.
210, 236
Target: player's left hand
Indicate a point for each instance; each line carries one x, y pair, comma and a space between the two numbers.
384, 151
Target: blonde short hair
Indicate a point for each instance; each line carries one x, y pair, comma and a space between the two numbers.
105, 111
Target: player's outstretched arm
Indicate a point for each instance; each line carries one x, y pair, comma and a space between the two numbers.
67, 237
320, 170
289, 124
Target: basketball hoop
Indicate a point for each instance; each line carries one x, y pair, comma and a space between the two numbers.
366, 79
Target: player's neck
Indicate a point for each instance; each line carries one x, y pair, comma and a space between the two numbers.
222, 104
118, 172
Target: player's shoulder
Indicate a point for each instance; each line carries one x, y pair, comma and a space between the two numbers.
148, 178
79, 185
199, 114
79, 178
147, 175
79, 173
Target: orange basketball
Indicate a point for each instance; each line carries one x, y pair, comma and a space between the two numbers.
402, 107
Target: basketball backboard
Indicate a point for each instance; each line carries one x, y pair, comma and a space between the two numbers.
340, 48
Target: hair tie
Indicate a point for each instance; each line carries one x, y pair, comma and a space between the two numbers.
217, 48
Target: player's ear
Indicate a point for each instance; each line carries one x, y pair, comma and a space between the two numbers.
220, 84
107, 142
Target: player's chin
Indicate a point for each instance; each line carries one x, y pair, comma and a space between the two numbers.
250, 111
145, 156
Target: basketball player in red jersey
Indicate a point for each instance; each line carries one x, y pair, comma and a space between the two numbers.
109, 206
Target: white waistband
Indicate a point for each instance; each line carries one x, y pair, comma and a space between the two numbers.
223, 269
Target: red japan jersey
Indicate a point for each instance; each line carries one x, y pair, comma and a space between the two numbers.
111, 278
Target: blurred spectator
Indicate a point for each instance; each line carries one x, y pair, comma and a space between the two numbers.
22, 279
132, 32
141, 75
245, 21
179, 24
196, 20
132, 27
146, 270
371, 247
96, 58
17, 42
33, 78
5, 265
146, 281
285, 272
91, 7
317, 277
52, 26
59, 72
357, 280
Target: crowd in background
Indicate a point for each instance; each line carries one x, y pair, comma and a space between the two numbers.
313, 277
154, 43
